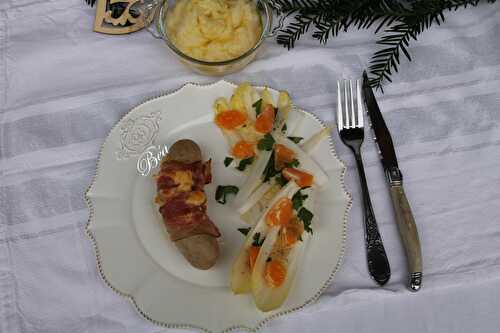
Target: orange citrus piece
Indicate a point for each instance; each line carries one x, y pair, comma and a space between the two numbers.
253, 253
230, 119
265, 121
301, 178
282, 155
281, 213
289, 236
243, 149
275, 273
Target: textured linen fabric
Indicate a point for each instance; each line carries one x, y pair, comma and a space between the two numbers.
62, 88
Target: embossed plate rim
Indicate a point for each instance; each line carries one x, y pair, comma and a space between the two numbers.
347, 203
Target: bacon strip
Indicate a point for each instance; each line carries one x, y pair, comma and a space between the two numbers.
181, 218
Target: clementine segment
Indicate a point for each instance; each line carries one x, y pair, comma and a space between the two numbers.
265, 121
281, 213
289, 236
282, 155
243, 149
275, 273
230, 119
301, 178
253, 253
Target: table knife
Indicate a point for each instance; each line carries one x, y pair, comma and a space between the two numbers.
404, 216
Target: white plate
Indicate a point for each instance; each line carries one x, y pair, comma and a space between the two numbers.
134, 255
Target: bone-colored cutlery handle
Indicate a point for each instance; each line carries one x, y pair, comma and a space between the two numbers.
409, 235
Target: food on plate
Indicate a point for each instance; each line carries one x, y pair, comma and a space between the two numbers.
249, 117
268, 260
302, 178
183, 204
265, 120
276, 197
214, 30
243, 149
283, 156
230, 119
279, 256
262, 134
241, 272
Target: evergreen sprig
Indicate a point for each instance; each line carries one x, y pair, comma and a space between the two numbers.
400, 23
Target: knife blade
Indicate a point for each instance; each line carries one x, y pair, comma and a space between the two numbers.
404, 216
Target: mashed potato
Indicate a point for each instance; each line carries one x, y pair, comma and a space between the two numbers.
214, 30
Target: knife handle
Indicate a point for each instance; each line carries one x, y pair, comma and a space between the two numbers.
409, 235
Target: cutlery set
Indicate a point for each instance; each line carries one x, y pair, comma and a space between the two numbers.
352, 97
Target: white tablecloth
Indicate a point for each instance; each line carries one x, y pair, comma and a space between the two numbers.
62, 88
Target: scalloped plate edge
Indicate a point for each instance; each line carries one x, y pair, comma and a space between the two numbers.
263, 322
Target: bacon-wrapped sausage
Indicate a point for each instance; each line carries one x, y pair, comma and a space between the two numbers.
183, 204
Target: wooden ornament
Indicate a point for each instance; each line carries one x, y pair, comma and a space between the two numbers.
118, 17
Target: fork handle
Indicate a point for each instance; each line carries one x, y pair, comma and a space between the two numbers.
378, 264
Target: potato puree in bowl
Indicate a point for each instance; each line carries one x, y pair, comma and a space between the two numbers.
214, 30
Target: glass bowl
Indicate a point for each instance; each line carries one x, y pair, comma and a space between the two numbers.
213, 68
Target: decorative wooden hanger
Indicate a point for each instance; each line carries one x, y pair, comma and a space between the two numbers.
119, 16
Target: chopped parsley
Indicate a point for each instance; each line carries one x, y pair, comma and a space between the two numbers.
258, 106
266, 143
296, 139
298, 200
244, 231
228, 161
303, 213
293, 164
223, 190
270, 171
256, 239
244, 163
306, 217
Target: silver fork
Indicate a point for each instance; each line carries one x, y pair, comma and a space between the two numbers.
351, 132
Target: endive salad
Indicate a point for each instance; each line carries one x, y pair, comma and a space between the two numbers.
277, 196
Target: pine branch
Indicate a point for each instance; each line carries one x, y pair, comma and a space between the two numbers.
413, 21
332, 16
400, 23
294, 30
285, 6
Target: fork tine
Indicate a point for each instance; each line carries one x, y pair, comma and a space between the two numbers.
360, 104
346, 101
340, 118
353, 111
